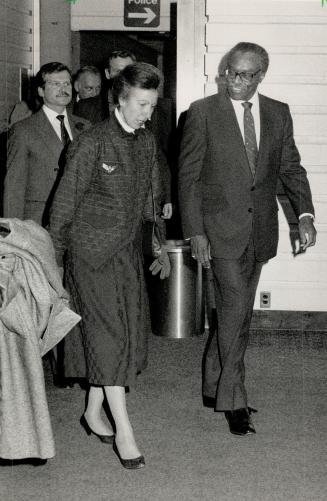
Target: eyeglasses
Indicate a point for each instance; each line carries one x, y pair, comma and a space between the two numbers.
245, 76
58, 85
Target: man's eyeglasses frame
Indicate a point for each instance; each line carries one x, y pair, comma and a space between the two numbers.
245, 76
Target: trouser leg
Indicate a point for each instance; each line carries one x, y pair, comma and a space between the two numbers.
236, 281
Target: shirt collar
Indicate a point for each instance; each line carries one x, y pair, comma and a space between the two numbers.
254, 100
122, 121
51, 114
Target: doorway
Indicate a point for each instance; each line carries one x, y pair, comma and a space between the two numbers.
154, 47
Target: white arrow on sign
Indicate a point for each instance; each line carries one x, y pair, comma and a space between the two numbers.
149, 15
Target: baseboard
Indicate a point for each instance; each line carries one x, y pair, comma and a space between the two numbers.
289, 320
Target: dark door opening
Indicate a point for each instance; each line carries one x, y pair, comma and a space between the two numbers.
157, 48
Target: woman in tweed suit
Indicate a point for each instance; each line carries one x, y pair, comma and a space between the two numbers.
95, 222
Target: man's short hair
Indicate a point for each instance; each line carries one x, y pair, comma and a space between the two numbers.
47, 69
140, 75
122, 54
87, 69
251, 47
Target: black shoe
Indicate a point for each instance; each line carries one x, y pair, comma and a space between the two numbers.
62, 382
106, 439
130, 464
239, 422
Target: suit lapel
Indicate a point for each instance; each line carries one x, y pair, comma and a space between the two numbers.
47, 134
265, 132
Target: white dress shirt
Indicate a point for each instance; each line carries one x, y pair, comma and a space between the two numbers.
255, 110
52, 117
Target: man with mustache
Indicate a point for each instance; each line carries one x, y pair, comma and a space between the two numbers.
36, 155
236, 145
37, 147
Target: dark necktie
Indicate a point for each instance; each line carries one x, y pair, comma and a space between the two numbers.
250, 137
65, 139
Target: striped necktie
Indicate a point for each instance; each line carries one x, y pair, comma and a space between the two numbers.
65, 139
250, 137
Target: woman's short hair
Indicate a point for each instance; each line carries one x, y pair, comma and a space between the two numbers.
255, 49
140, 75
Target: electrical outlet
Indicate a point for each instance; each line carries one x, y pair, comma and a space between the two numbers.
265, 299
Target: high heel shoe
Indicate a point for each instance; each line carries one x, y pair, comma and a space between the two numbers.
130, 464
106, 439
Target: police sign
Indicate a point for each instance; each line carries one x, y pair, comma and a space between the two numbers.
142, 13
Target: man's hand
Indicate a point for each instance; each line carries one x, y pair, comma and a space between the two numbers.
167, 211
200, 249
307, 232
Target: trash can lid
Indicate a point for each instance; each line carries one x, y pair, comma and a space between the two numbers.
178, 246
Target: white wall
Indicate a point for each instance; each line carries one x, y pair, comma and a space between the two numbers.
295, 35
55, 39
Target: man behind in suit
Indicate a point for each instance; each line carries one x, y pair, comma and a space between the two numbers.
89, 103
235, 146
98, 106
117, 61
87, 82
36, 152
37, 146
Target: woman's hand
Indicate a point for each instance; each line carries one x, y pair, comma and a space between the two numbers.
162, 265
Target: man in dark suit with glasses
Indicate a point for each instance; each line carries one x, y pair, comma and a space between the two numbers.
236, 145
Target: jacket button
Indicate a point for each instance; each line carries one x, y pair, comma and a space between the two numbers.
252, 188
56, 169
250, 209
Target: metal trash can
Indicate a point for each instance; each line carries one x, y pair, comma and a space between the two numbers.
177, 302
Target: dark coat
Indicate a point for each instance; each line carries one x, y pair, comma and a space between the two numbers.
100, 201
96, 109
218, 195
34, 159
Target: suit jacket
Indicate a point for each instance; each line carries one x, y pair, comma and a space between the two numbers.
101, 198
161, 124
218, 195
35, 155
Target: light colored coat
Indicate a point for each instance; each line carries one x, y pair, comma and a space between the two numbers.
34, 317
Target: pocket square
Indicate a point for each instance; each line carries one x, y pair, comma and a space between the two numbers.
109, 168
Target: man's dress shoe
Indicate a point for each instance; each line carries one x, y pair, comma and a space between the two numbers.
239, 422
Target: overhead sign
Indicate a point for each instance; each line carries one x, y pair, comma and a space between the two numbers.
142, 13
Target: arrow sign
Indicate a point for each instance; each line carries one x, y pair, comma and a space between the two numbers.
142, 13
148, 15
